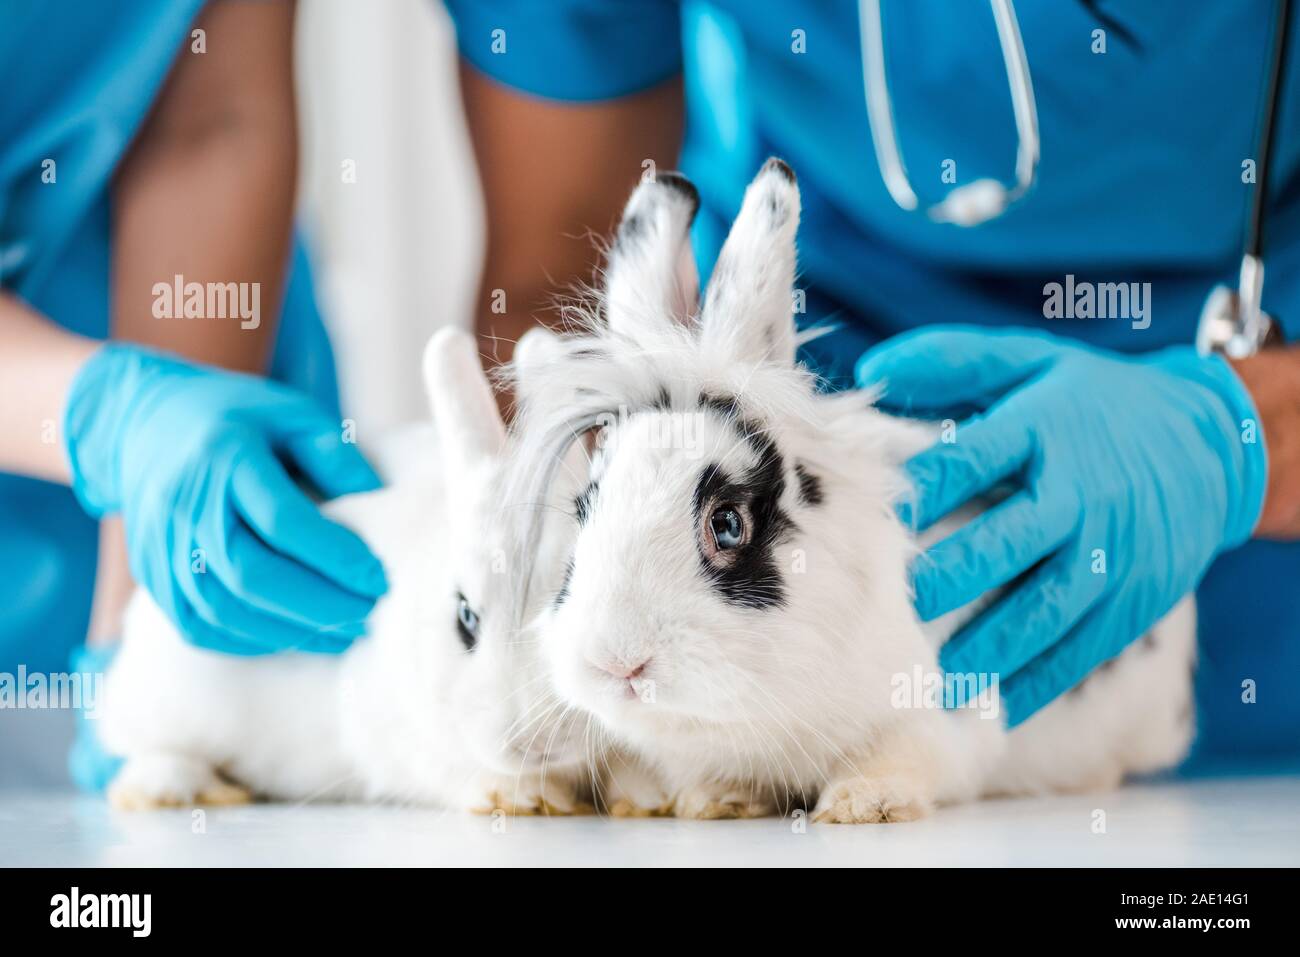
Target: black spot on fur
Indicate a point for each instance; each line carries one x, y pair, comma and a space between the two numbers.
632, 226
562, 595
728, 406
725, 405
782, 167
810, 486
635, 225
663, 401
680, 184
583, 501
753, 578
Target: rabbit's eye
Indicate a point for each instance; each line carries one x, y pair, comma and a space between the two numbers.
466, 623
728, 528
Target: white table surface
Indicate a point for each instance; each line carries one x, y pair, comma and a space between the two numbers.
1225, 821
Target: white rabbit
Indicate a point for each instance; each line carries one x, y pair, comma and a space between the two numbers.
440, 703
736, 608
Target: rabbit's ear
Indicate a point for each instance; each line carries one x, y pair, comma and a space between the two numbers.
748, 310
470, 430
536, 350
650, 279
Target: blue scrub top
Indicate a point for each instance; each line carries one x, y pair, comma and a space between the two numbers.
78, 79
1140, 181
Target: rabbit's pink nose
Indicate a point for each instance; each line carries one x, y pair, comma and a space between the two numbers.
620, 669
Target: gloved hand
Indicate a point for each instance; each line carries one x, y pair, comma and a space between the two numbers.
1131, 475
231, 549
92, 768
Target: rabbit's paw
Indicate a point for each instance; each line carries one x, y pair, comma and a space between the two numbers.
147, 782
718, 801
626, 807
872, 800
630, 790
554, 794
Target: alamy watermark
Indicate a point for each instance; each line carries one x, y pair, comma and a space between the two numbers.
37, 690
179, 299
920, 688
133, 912
668, 430
1098, 300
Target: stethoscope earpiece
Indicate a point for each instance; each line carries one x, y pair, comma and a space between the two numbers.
971, 203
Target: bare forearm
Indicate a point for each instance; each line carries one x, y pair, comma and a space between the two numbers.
235, 228
1273, 380
553, 176
38, 361
207, 191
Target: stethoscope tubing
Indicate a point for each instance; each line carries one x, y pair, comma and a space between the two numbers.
880, 111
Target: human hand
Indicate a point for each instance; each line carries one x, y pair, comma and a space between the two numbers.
228, 545
91, 767
1131, 475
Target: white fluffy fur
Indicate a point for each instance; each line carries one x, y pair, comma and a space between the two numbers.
718, 710
737, 711
407, 714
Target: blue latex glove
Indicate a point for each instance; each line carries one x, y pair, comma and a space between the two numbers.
1144, 459
217, 531
92, 768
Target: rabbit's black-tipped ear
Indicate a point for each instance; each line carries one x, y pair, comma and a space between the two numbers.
470, 431
748, 310
650, 279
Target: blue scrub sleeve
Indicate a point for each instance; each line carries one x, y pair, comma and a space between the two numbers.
574, 50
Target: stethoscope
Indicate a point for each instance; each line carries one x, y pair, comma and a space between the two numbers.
1232, 321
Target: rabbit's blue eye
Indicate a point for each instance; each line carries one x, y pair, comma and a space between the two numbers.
728, 528
466, 623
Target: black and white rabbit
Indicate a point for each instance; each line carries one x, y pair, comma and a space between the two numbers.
441, 703
735, 609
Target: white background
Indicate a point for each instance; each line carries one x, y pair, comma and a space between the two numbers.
398, 252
